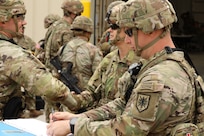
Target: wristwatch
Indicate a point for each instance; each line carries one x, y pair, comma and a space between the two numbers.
72, 124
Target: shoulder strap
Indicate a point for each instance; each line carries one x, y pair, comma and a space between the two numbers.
195, 78
10, 40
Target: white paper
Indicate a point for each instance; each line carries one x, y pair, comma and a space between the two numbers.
33, 126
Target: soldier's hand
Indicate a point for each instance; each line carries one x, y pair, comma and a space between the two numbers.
62, 116
58, 128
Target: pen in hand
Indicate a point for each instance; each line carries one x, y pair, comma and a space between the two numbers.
53, 111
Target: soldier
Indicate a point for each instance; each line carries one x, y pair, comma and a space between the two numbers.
50, 19
59, 33
164, 93
25, 42
30, 100
40, 46
84, 56
19, 67
104, 44
102, 86
81, 54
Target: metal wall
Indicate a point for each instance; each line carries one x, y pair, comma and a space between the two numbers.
99, 9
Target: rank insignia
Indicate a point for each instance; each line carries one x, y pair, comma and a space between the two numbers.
142, 102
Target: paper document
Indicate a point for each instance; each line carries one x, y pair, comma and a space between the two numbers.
8, 130
33, 126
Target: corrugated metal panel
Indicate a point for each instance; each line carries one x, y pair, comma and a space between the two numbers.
99, 17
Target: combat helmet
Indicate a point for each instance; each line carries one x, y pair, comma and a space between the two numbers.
112, 21
10, 8
73, 6
82, 23
110, 16
50, 19
147, 15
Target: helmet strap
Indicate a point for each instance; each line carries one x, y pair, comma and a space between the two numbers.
139, 50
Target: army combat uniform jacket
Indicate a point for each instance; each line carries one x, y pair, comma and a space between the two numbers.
26, 43
102, 87
19, 67
84, 56
58, 34
163, 97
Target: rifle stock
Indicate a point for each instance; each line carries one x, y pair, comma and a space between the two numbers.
66, 77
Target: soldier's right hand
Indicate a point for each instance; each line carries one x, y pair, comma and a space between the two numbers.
62, 116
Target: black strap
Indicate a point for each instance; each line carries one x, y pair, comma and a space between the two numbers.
134, 69
186, 56
9, 40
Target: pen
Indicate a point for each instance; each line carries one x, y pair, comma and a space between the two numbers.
53, 111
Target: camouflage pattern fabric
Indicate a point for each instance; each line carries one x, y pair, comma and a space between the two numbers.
10, 8
50, 19
83, 23
85, 58
19, 67
57, 35
73, 6
40, 49
163, 96
26, 43
102, 86
147, 16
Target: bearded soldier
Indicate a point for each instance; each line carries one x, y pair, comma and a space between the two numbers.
19, 68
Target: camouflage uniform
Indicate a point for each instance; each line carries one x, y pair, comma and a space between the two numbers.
164, 94
102, 86
28, 44
50, 19
40, 49
153, 107
58, 34
84, 56
25, 42
19, 67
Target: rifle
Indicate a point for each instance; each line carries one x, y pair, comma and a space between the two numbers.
134, 69
67, 78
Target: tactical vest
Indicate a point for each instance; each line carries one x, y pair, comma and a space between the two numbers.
196, 127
